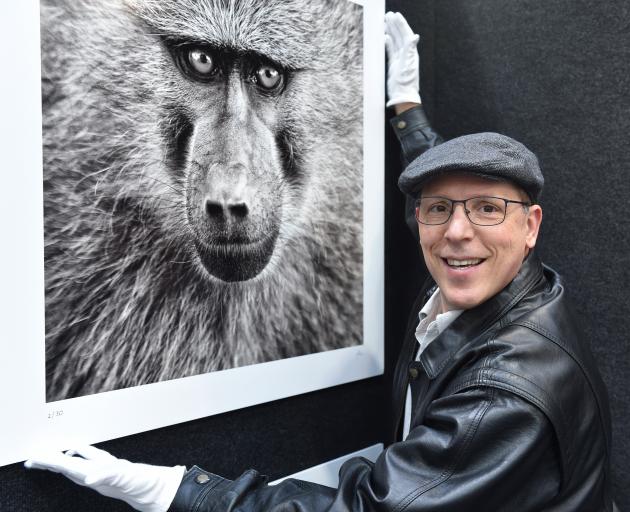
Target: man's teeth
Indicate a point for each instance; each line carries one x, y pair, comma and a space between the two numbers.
463, 263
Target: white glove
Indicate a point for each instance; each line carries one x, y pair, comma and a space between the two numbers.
403, 68
144, 487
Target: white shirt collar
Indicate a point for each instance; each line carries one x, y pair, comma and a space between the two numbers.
432, 306
432, 322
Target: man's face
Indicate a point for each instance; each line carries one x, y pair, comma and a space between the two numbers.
497, 252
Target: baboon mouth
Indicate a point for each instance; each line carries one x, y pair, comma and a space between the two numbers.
236, 261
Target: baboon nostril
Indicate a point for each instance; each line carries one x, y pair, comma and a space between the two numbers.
214, 209
220, 211
239, 210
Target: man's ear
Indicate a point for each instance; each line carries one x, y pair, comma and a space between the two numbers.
534, 219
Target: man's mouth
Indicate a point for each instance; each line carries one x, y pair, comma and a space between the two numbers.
463, 263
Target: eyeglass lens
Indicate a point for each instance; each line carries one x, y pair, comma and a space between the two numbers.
485, 211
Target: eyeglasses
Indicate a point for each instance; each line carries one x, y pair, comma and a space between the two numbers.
482, 211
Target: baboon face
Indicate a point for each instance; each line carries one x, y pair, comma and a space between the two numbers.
233, 170
229, 123
245, 98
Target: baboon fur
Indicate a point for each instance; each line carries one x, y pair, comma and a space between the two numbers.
130, 147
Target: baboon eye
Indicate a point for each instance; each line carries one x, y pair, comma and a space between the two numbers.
197, 62
201, 61
268, 77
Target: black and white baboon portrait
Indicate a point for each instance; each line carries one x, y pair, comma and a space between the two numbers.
203, 178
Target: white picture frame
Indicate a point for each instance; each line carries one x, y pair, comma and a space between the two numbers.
30, 424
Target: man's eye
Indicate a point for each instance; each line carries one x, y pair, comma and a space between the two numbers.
438, 208
268, 77
488, 206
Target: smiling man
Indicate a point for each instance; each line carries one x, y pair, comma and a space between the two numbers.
505, 407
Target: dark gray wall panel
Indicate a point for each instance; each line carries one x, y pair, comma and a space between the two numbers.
554, 75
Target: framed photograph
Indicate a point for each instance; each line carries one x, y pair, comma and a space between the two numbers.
193, 211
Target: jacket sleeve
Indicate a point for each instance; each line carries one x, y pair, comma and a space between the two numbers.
480, 449
416, 135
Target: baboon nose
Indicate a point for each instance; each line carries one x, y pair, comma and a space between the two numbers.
222, 211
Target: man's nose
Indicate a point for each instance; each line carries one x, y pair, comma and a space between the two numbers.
459, 226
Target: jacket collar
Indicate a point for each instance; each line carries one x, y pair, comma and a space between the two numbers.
474, 322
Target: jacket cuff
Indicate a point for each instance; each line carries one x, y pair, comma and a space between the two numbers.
414, 131
195, 486
408, 121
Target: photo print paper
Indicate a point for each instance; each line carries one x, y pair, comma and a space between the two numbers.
203, 173
200, 194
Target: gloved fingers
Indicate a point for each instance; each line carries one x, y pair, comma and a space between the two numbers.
401, 27
392, 30
74, 468
388, 47
51, 461
42, 461
91, 453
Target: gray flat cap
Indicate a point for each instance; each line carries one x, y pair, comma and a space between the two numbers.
486, 154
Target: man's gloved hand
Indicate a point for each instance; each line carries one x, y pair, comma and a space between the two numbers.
144, 487
403, 69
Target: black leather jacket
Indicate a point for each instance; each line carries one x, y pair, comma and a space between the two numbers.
509, 413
